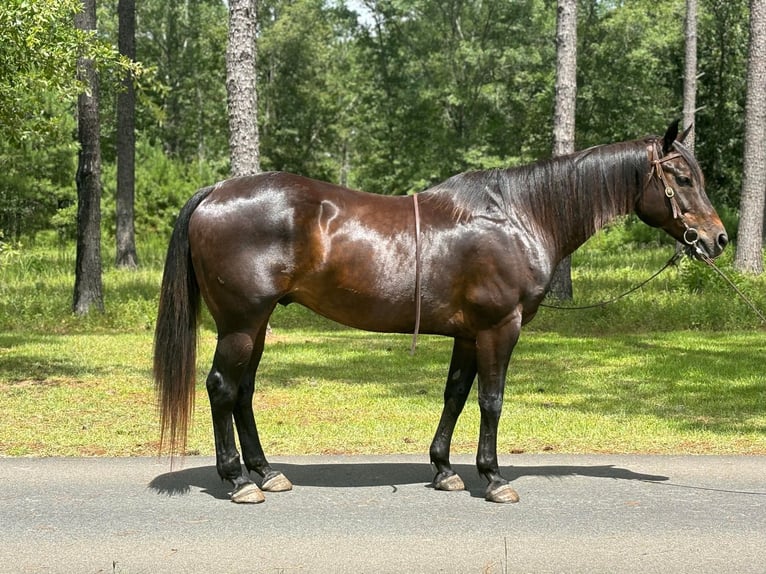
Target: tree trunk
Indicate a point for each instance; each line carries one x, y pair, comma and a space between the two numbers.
749, 257
126, 143
564, 114
690, 72
88, 291
241, 89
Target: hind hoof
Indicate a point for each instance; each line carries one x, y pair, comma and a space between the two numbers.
248, 494
450, 483
503, 493
277, 483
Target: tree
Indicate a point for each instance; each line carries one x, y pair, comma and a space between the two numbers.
749, 256
722, 65
690, 72
180, 110
630, 60
564, 114
88, 290
308, 86
241, 88
451, 86
125, 233
38, 50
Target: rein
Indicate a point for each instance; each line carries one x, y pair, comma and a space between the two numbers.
417, 274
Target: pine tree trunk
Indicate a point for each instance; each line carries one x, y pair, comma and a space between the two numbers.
88, 291
241, 89
749, 256
564, 115
126, 143
690, 71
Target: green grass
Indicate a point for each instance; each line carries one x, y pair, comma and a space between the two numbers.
675, 368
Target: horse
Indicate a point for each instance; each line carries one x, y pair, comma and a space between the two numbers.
470, 258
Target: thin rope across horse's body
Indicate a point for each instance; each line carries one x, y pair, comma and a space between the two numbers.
417, 274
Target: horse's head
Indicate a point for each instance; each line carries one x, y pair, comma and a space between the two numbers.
674, 199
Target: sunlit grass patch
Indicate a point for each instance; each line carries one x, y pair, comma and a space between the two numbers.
676, 367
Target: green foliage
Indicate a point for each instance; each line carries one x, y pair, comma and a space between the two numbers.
39, 47
163, 185
720, 121
630, 69
184, 109
451, 86
630, 232
38, 53
306, 98
392, 103
37, 182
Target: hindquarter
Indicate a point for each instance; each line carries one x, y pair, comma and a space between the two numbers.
241, 248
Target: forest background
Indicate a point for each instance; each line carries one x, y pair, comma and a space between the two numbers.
387, 96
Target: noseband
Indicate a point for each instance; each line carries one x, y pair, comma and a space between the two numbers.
691, 236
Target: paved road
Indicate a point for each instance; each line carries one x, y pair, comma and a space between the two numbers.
375, 514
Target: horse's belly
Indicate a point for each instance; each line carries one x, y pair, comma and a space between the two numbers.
360, 309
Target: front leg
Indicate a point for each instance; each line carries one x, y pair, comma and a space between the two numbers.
462, 372
494, 348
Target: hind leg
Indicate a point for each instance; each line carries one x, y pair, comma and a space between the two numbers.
232, 355
252, 451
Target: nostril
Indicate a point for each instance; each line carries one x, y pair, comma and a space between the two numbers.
723, 240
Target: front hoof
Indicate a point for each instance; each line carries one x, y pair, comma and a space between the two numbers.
449, 483
277, 483
248, 493
502, 493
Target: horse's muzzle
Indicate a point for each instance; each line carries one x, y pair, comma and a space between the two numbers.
704, 248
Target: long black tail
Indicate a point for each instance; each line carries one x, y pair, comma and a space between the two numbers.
175, 336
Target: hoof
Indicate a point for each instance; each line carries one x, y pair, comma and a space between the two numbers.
452, 482
277, 483
248, 494
503, 493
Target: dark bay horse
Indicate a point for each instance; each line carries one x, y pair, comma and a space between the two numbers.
486, 247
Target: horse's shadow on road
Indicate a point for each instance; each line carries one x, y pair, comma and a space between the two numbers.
351, 475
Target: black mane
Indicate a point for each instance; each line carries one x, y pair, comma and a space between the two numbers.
567, 196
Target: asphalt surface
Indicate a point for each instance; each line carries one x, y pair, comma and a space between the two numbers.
376, 514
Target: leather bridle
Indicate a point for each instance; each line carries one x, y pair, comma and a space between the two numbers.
656, 159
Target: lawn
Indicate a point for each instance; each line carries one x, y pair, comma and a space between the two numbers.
674, 368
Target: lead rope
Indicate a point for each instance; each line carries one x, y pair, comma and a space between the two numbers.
417, 275
676, 256
704, 257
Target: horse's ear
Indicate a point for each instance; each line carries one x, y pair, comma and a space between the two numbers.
670, 136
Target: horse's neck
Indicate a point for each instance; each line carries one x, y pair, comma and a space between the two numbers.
596, 193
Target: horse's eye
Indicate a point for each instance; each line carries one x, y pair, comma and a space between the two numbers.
683, 181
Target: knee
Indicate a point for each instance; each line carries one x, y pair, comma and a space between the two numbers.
491, 403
